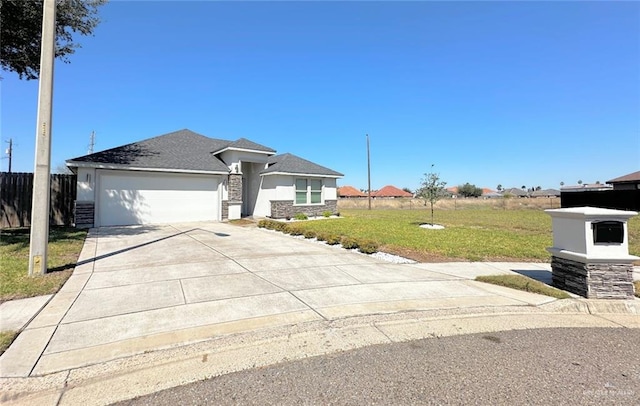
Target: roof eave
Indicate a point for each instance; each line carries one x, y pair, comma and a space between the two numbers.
255, 151
94, 165
313, 175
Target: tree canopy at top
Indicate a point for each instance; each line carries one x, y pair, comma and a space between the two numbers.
21, 32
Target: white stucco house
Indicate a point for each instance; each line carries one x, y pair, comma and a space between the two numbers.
184, 176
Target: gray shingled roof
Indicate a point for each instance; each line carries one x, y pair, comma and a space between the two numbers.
244, 143
184, 150
289, 163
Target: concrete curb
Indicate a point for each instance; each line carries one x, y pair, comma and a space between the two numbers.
126, 378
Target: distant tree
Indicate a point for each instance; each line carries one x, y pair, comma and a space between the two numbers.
431, 189
499, 188
597, 182
561, 184
61, 168
579, 182
523, 188
21, 32
406, 189
469, 190
538, 187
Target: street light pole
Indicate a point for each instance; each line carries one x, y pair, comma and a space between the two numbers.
39, 238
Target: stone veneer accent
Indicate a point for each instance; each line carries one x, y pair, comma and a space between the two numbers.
281, 209
225, 210
593, 280
235, 187
83, 213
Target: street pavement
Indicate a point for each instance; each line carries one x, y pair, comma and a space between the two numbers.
559, 366
145, 297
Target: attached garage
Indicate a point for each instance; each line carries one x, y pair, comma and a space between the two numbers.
134, 197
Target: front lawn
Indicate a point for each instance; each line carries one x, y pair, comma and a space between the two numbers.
65, 245
475, 234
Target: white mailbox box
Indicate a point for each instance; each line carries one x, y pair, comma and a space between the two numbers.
590, 253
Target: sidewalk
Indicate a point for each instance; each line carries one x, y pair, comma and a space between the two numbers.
153, 307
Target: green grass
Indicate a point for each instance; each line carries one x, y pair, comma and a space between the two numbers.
475, 234
521, 282
64, 246
6, 338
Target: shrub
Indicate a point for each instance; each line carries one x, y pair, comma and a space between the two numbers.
263, 223
332, 239
283, 227
326, 213
309, 234
295, 231
349, 243
300, 216
368, 246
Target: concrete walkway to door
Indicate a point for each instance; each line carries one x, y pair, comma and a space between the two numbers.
145, 288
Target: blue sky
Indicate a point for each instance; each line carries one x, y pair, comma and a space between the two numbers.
511, 93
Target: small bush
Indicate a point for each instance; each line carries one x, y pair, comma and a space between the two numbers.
295, 231
309, 234
300, 216
329, 238
263, 223
332, 239
326, 213
368, 246
636, 284
349, 243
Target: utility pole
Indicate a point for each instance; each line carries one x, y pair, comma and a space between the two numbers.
92, 142
39, 238
368, 172
10, 152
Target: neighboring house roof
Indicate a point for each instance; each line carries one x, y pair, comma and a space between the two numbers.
185, 150
452, 190
391, 191
545, 192
181, 150
291, 164
630, 178
350, 191
586, 186
487, 191
515, 191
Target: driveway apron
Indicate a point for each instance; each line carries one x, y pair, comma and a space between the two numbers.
145, 288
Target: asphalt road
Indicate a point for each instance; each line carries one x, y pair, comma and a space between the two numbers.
543, 367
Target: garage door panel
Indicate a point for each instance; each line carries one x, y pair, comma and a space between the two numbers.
127, 198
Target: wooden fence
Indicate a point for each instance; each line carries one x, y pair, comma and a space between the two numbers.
16, 190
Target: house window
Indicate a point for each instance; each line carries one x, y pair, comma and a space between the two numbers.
301, 191
308, 191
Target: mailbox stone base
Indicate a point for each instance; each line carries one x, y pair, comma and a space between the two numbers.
593, 280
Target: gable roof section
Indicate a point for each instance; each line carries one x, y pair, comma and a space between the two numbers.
244, 144
349, 191
290, 164
630, 178
391, 191
179, 150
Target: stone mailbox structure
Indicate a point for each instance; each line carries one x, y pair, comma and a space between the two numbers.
590, 253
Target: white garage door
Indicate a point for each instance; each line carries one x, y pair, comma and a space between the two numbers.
127, 198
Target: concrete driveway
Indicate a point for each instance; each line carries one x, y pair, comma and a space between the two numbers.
145, 288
